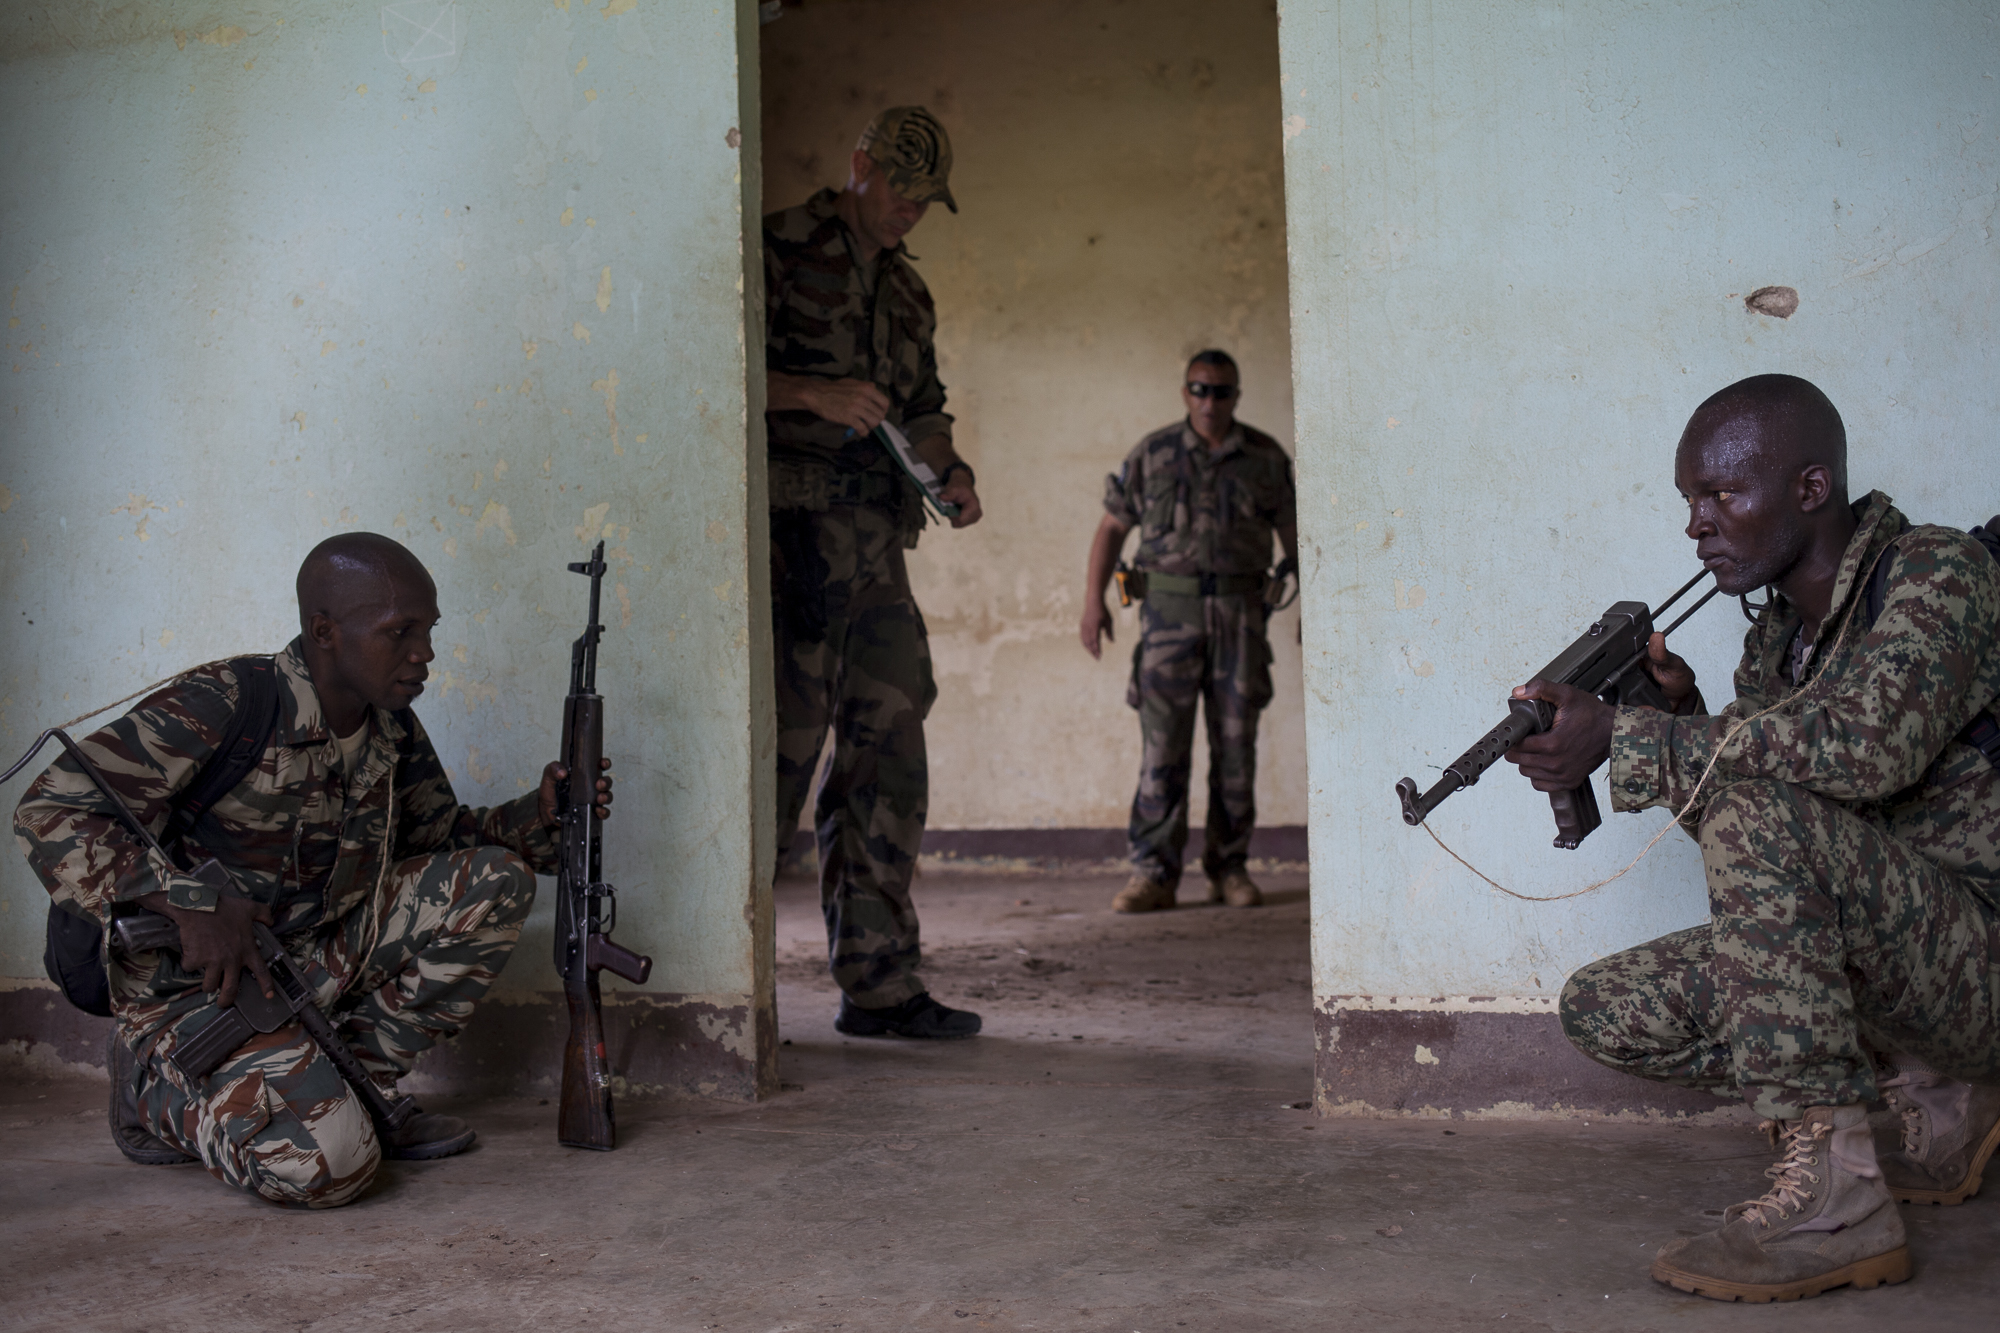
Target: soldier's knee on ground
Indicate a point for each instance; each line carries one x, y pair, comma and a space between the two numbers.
324, 1165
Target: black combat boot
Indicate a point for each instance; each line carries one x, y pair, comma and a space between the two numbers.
128, 1129
920, 1017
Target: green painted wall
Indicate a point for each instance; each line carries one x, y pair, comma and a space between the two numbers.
1521, 238
471, 275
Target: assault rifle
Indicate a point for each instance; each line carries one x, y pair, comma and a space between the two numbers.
583, 933
138, 930
1604, 661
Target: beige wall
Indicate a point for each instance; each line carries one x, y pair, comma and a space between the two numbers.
1119, 168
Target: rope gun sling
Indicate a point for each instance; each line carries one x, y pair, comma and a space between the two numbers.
75, 953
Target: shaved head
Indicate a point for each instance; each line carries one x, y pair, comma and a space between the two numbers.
1773, 423
356, 572
1763, 467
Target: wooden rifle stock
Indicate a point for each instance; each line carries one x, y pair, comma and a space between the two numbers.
583, 946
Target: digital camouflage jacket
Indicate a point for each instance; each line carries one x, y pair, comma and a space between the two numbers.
1873, 725
297, 834
1201, 510
822, 317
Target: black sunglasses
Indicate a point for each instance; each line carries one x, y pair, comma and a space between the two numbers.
1222, 391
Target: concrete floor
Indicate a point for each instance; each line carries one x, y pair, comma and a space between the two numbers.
1118, 1153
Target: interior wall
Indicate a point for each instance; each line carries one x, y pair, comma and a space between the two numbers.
1118, 168
473, 276
1522, 239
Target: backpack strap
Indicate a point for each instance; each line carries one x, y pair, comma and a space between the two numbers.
1878, 585
251, 727
1982, 733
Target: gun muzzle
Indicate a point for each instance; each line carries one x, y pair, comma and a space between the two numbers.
1525, 717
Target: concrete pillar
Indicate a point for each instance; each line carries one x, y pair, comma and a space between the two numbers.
1523, 241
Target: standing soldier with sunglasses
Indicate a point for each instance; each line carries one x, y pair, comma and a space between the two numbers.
1206, 495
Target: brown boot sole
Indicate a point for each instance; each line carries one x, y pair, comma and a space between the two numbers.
1967, 1187
1863, 1273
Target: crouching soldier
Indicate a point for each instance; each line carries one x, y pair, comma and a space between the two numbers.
1848, 813
1206, 495
398, 904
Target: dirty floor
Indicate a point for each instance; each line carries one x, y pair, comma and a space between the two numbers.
1120, 1152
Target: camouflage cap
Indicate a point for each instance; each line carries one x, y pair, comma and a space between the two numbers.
914, 152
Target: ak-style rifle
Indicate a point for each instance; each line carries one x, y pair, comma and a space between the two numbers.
583, 931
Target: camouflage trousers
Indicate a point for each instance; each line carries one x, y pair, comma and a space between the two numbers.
397, 975
1827, 939
868, 679
1211, 651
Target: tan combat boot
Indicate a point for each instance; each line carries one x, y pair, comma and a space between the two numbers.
1143, 895
1237, 889
1950, 1130
1827, 1220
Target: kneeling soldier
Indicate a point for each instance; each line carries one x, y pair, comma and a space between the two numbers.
1849, 823
397, 902
1206, 495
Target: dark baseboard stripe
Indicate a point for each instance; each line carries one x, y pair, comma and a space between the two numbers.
1279, 842
660, 1044
1404, 1062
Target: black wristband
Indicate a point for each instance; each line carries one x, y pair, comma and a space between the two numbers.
958, 465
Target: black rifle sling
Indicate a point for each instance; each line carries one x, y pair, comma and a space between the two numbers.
251, 727
1983, 732
73, 954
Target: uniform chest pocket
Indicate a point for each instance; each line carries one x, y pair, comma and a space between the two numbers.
1156, 510
1244, 501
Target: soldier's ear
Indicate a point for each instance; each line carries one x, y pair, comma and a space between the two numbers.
321, 630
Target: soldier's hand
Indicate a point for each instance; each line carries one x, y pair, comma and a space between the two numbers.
1673, 675
958, 491
551, 794
856, 404
1563, 757
219, 944
1096, 621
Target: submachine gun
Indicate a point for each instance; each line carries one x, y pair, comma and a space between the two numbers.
1603, 661
583, 930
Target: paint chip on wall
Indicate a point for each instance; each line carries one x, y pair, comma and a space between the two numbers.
495, 516
579, 332
604, 289
1777, 302
1424, 1056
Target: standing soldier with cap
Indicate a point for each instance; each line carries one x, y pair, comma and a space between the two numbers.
848, 347
1206, 495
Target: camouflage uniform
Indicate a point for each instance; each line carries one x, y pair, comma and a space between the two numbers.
400, 904
1200, 511
1852, 849
851, 651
